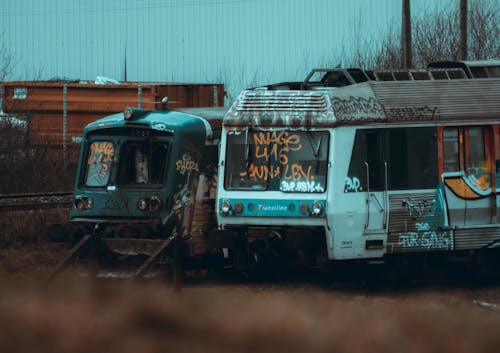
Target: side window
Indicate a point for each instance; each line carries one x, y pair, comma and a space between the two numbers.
407, 157
412, 158
466, 149
366, 160
476, 160
451, 150
477, 163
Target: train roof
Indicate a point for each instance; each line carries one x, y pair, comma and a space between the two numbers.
213, 115
162, 120
369, 102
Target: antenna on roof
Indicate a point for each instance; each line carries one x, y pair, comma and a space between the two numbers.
164, 102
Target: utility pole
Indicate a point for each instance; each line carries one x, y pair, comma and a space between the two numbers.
463, 29
406, 35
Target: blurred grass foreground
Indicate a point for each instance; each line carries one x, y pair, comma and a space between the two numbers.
149, 317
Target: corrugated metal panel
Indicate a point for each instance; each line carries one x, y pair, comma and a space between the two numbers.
453, 99
476, 238
414, 219
265, 108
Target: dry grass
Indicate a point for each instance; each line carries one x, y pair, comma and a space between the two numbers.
18, 228
24, 249
124, 317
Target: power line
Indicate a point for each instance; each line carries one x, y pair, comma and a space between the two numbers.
106, 7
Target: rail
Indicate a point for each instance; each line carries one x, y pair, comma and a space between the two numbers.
19, 202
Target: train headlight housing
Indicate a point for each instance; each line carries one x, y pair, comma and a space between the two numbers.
317, 208
225, 207
154, 204
238, 207
83, 203
151, 204
142, 204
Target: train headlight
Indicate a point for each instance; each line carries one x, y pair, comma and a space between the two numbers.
142, 205
83, 203
128, 114
225, 207
304, 208
317, 208
79, 204
154, 204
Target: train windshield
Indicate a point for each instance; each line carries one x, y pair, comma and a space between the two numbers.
100, 157
142, 163
128, 164
278, 160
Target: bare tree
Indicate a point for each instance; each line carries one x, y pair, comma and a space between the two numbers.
6, 60
436, 36
484, 29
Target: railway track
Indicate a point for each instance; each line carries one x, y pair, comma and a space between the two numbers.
19, 202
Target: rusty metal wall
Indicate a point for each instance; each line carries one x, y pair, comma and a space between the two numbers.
57, 112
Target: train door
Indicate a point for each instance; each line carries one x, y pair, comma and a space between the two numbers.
368, 174
468, 175
376, 176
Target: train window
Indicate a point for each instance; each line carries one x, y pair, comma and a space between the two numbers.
412, 158
304, 166
142, 163
451, 153
493, 71
366, 159
475, 145
405, 157
466, 149
288, 161
244, 170
100, 156
476, 164
478, 72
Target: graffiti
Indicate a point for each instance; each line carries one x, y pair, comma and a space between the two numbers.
268, 143
272, 160
419, 207
161, 127
294, 172
301, 186
357, 108
352, 185
101, 155
412, 113
429, 239
186, 164
101, 151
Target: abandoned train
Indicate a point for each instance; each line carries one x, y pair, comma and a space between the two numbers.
304, 174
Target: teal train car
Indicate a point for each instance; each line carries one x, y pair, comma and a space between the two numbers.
139, 173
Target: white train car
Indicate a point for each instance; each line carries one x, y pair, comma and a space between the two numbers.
360, 172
